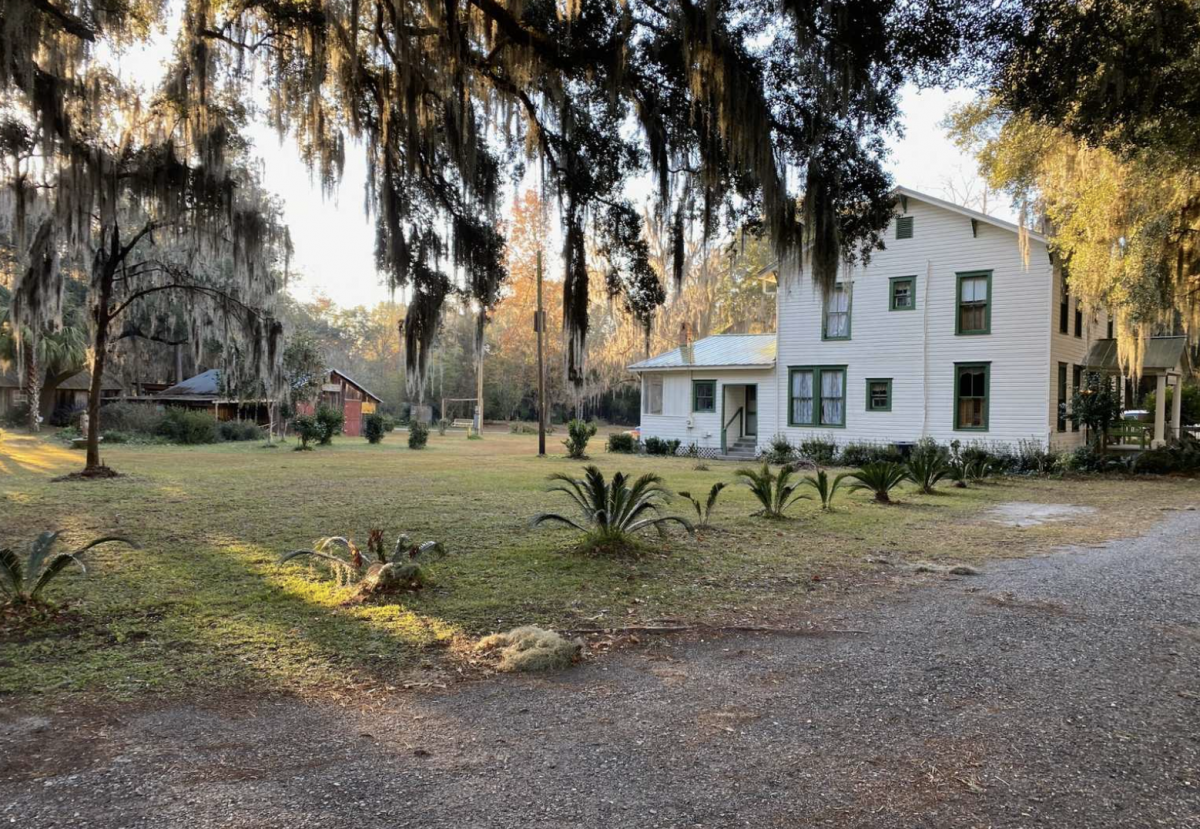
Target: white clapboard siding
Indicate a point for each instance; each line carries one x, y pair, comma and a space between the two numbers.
677, 420
918, 349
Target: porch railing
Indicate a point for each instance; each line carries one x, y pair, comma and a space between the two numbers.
736, 415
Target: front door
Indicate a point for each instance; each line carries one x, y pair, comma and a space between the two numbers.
751, 411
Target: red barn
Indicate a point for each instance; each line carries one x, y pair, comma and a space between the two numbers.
342, 392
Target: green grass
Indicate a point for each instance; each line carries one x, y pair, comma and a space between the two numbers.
204, 607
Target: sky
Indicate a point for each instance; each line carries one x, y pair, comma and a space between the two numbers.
335, 242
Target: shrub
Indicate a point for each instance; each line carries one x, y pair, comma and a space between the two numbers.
22, 582
781, 450
774, 491
611, 513
704, 512
622, 442
65, 415
1190, 407
307, 429
818, 450
579, 432
659, 446
861, 453
880, 478
1033, 458
1181, 456
418, 435
824, 486
188, 426
16, 416
1096, 405
373, 429
115, 436
389, 423
235, 430
693, 452
330, 420
142, 418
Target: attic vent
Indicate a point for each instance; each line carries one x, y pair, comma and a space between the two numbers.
904, 227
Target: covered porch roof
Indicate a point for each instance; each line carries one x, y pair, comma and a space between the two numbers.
1164, 355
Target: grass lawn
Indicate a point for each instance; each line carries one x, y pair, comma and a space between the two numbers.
204, 607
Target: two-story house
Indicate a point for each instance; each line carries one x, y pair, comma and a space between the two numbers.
961, 328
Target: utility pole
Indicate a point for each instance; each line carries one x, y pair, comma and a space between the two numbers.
539, 325
479, 376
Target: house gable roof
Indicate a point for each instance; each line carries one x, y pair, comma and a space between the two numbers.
968, 212
204, 384
718, 351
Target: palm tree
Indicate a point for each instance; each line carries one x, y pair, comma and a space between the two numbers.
773, 490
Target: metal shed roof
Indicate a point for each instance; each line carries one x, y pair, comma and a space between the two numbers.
1162, 354
204, 384
719, 351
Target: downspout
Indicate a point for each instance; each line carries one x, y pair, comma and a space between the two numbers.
925, 349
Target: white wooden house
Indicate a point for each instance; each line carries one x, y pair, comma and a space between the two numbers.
959, 329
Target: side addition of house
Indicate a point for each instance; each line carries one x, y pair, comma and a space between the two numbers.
960, 329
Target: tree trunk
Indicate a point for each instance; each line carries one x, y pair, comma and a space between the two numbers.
33, 388
101, 318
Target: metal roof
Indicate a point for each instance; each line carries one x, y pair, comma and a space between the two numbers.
719, 351
204, 384
1162, 354
355, 383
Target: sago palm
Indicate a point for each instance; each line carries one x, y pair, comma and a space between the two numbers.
704, 511
775, 491
880, 478
612, 512
825, 487
926, 467
22, 582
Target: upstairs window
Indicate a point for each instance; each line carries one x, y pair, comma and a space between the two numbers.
904, 227
654, 394
1078, 320
704, 396
1062, 397
903, 293
971, 384
1064, 305
837, 315
974, 303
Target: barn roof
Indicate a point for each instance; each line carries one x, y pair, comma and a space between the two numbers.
80, 381
718, 351
356, 384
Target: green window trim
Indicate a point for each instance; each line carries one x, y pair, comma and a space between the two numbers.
904, 227
987, 396
912, 292
712, 404
817, 420
840, 288
888, 381
987, 306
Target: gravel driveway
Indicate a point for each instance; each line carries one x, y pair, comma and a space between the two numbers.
1061, 691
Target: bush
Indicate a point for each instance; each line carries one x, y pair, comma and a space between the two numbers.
1190, 412
927, 465
240, 430
117, 436
330, 420
307, 429
622, 442
418, 435
139, 418
861, 454
818, 450
65, 415
1182, 456
658, 446
389, 423
781, 451
373, 429
579, 432
1032, 458
879, 478
188, 426
16, 416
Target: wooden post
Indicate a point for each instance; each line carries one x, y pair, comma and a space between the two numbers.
1160, 411
539, 322
1177, 409
479, 379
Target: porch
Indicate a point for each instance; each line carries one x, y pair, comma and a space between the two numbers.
1166, 361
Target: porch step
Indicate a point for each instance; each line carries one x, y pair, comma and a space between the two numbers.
743, 449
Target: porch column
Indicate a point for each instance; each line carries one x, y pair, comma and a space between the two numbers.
1177, 409
1160, 410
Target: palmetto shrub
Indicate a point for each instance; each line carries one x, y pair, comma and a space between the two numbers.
611, 513
879, 478
704, 511
579, 432
824, 486
22, 581
775, 491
